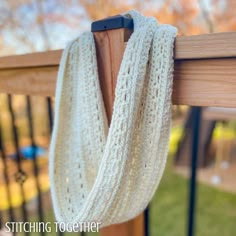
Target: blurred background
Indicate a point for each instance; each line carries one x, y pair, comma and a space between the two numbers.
26, 122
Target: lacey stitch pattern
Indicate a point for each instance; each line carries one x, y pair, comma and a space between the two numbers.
110, 175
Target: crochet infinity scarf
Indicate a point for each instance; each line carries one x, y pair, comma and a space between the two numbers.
109, 175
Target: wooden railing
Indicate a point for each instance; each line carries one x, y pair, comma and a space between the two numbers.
205, 75
205, 71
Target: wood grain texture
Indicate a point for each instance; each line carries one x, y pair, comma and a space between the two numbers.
217, 45
110, 46
205, 82
37, 59
208, 82
35, 81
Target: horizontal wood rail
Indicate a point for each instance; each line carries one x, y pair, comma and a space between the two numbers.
218, 113
205, 71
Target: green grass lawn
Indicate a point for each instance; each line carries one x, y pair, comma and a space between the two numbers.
216, 210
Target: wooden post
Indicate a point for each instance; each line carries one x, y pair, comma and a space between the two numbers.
110, 46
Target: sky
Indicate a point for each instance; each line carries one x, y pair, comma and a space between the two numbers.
62, 23
20, 32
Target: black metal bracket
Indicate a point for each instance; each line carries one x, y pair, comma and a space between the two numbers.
114, 22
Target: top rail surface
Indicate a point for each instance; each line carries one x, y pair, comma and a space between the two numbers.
204, 75
217, 45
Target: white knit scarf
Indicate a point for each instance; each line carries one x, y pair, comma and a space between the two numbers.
110, 175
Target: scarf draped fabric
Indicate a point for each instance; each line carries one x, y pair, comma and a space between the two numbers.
109, 175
